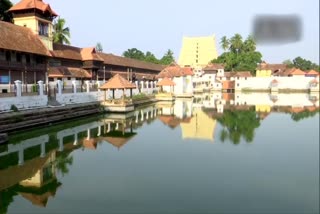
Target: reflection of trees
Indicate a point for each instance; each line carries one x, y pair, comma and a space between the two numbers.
303, 115
237, 124
6, 198
62, 163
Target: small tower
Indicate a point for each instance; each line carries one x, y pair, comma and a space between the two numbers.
36, 15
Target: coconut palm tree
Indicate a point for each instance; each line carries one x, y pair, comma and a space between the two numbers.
61, 33
249, 44
236, 43
225, 43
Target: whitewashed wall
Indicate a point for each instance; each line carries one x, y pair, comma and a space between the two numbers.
263, 83
25, 102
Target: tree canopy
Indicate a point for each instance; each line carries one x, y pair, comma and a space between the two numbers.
134, 53
239, 55
61, 34
302, 64
5, 5
99, 47
237, 124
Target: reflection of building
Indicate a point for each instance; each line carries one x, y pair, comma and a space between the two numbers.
201, 126
35, 180
198, 51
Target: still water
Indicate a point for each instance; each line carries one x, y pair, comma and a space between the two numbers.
185, 157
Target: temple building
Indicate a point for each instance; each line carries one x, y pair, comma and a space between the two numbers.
29, 54
197, 51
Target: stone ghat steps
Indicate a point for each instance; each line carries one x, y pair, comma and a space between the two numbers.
31, 118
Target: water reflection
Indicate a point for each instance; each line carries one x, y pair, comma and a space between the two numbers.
31, 162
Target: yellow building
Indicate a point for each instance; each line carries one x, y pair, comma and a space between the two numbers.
201, 126
198, 51
37, 16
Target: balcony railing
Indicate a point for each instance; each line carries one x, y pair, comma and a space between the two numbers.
21, 66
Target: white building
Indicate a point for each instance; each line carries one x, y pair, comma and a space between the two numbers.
181, 76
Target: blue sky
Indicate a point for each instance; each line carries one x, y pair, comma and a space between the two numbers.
157, 25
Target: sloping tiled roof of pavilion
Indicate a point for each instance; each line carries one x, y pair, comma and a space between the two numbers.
175, 70
22, 39
66, 52
117, 82
33, 4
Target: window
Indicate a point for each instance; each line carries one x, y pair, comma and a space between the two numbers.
8, 56
51, 79
18, 57
4, 79
43, 28
59, 78
69, 78
28, 59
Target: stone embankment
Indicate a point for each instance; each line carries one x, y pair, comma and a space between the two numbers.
13, 121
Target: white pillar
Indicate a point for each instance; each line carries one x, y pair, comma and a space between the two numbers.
75, 142
59, 82
137, 117
74, 84
21, 156
147, 84
18, 88
98, 85
117, 126
88, 85
142, 115
99, 131
109, 127
60, 144
43, 149
40, 83
147, 117
88, 134
142, 85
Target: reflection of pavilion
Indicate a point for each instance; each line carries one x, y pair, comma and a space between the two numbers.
201, 126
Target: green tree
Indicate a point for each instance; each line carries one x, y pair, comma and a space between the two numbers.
99, 47
150, 57
304, 64
168, 58
61, 34
225, 43
240, 55
288, 62
237, 124
134, 53
5, 5
236, 43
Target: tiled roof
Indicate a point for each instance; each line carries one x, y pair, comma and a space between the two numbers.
21, 39
33, 4
62, 71
243, 74
90, 54
66, 52
111, 59
175, 71
297, 71
213, 67
313, 72
272, 67
166, 82
117, 82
